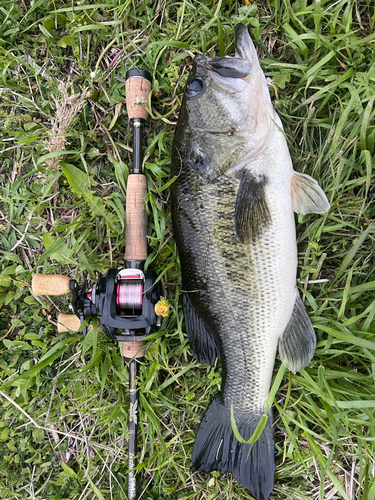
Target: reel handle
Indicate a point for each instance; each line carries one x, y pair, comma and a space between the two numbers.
138, 87
66, 322
50, 284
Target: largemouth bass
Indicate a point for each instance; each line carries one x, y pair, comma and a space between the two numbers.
232, 206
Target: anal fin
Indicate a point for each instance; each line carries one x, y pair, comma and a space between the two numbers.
201, 340
297, 343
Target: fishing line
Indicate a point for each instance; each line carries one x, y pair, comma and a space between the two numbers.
130, 297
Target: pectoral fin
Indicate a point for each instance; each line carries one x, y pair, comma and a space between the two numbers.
307, 196
252, 215
297, 343
201, 341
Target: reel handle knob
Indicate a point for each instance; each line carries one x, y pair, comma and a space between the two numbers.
50, 284
138, 87
66, 322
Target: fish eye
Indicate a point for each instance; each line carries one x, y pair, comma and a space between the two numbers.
194, 87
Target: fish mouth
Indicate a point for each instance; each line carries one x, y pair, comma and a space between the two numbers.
239, 66
229, 67
231, 74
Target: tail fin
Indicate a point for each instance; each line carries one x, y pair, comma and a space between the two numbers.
217, 448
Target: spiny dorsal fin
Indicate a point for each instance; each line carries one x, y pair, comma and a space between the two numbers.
252, 215
307, 196
297, 343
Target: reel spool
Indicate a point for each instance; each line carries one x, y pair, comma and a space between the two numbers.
130, 292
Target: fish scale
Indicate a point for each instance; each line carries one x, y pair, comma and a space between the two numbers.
232, 207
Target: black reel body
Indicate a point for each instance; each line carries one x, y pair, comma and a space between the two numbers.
121, 300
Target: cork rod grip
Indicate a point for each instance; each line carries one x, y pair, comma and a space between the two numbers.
137, 91
133, 350
50, 284
136, 218
66, 322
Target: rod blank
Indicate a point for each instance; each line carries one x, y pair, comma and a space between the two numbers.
133, 408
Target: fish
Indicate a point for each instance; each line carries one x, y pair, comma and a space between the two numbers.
233, 201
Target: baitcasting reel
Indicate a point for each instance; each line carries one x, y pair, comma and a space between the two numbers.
122, 300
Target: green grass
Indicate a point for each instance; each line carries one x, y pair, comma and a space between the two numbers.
64, 398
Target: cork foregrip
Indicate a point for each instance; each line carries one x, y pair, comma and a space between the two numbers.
136, 218
133, 350
50, 284
66, 322
137, 91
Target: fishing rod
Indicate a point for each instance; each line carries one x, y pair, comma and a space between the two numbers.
125, 301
